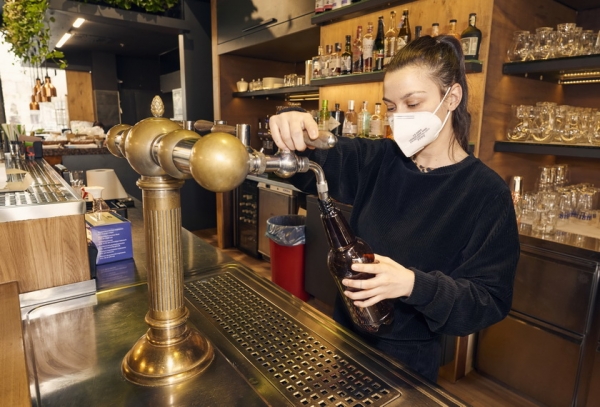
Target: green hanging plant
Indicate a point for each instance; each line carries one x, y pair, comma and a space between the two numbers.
26, 30
151, 6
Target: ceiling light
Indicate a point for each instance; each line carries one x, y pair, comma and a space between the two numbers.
64, 39
78, 22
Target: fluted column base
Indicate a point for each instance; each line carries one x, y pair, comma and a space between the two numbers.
170, 352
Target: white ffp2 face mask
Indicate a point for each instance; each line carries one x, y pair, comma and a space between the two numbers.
414, 131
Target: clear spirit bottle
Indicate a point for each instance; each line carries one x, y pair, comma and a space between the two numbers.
376, 127
364, 121
368, 44
350, 127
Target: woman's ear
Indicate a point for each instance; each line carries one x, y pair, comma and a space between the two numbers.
454, 97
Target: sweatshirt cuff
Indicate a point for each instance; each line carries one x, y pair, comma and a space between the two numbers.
424, 289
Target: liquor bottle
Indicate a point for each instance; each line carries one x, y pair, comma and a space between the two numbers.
325, 62
363, 122
357, 56
338, 115
324, 115
350, 127
404, 35
328, 5
379, 46
346, 59
335, 65
319, 6
367, 49
452, 29
317, 63
390, 39
376, 127
435, 29
418, 30
345, 248
470, 39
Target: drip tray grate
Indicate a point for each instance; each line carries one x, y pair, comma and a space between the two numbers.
303, 367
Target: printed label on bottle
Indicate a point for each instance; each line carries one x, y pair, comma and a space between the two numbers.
319, 6
368, 48
375, 128
347, 64
469, 46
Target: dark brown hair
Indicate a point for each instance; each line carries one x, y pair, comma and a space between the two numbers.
443, 58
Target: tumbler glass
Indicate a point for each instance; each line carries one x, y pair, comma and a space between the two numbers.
565, 208
520, 47
546, 213
544, 43
518, 126
543, 122
567, 40
572, 131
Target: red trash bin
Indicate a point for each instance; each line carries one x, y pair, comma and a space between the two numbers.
286, 241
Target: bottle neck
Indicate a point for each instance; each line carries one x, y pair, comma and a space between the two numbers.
337, 229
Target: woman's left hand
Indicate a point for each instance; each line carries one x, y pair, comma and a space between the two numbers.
390, 280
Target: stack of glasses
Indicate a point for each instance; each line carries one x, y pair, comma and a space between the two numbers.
567, 40
557, 205
547, 122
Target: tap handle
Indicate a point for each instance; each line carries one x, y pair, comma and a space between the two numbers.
325, 141
205, 126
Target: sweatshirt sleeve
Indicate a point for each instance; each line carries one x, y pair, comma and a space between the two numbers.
479, 292
342, 166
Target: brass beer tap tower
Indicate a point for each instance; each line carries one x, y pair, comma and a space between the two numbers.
164, 154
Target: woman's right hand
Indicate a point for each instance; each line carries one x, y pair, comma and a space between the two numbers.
287, 130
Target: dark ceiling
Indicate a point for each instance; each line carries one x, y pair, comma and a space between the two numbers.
120, 38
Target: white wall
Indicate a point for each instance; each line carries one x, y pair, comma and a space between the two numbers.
17, 89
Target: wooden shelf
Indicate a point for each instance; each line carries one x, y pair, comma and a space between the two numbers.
352, 78
565, 150
582, 69
354, 10
280, 93
471, 67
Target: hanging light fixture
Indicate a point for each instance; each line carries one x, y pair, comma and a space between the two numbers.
33, 105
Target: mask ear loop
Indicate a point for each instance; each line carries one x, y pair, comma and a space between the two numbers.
442, 101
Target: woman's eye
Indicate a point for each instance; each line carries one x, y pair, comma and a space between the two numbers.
412, 104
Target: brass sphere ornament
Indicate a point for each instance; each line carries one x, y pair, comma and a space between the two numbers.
219, 162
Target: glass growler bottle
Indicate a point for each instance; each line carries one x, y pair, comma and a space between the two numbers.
345, 249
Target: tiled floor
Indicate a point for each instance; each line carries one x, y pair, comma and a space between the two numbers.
474, 389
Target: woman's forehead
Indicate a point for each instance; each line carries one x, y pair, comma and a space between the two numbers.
406, 80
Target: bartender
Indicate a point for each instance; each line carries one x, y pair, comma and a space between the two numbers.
441, 222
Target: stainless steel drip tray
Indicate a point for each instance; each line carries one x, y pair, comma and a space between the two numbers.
270, 349
291, 353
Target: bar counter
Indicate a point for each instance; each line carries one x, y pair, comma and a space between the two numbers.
270, 347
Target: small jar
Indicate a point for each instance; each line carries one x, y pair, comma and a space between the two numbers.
242, 85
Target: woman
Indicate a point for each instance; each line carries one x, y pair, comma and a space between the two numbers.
441, 223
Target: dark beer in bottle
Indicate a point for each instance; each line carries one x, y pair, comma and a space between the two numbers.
345, 249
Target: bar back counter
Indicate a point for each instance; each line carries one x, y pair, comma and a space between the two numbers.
549, 345
270, 347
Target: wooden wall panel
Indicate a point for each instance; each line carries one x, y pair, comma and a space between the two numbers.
44, 253
80, 96
14, 384
424, 13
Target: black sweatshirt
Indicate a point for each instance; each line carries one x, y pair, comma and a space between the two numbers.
455, 227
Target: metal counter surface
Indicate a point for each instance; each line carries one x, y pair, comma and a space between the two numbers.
271, 348
48, 195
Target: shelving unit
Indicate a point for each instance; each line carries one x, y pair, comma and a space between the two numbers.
582, 69
564, 150
354, 10
280, 93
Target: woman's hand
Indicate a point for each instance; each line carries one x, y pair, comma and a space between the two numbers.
390, 280
287, 130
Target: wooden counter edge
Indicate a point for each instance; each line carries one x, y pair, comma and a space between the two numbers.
14, 384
